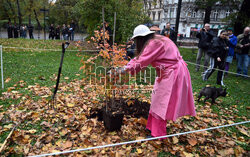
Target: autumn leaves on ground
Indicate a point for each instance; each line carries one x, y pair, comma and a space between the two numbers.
30, 77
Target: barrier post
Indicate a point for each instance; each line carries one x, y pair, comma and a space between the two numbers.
1, 51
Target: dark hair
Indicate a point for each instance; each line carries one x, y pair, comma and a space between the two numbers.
223, 31
141, 41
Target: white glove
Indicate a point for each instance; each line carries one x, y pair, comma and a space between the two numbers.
116, 71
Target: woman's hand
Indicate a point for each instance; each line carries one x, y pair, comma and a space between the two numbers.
116, 71
218, 59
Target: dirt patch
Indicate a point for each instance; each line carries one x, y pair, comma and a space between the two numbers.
113, 113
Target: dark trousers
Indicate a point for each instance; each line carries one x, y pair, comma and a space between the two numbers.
215, 64
31, 35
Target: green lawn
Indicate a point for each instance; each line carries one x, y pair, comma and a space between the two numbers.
33, 67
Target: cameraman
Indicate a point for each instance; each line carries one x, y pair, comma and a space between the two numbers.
218, 53
205, 37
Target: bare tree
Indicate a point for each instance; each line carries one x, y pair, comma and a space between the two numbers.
19, 12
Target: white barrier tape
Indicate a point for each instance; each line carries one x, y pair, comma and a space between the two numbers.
50, 49
219, 69
142, 140
133, 49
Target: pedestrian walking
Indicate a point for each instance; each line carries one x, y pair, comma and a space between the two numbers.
172, 97
205, 37
243, 51
218, 52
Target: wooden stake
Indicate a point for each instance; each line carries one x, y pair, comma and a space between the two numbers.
114, 28
103, 26
7, 138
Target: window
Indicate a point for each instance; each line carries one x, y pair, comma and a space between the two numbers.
153, 15
202, 15
172, 12
149, 13
159, 15
193, 14
227, 13
160, 1
215, 15
149, 5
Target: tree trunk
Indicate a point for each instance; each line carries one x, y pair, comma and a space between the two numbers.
12, 9
242, 18
37, 20
19, 12
207, 15
30, 11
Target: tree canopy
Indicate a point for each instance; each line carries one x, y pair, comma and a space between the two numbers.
129, 14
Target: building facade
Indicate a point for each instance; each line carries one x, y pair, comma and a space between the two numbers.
191, 20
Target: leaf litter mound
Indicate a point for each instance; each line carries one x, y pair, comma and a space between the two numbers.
70, 126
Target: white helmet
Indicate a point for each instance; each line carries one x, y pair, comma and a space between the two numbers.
141, 30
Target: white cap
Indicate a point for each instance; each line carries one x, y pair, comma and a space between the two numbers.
141, 30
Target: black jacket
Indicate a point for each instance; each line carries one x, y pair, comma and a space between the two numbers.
218, 48
171, 35
205, 39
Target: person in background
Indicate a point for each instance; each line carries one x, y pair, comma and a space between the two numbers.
168, 32
72, 26
69, 32
172, 97
65, 32
51, 31
232, 43
30, 28
16, 29
57, 32
205, 37
10, 30
243, 51
218, 52
23, 31
130, 48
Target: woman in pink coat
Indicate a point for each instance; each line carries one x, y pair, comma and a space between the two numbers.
172, 96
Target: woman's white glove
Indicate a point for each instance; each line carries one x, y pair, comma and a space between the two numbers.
117, 70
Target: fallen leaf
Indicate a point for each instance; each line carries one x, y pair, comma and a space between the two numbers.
68, 144
70, 105
192, 141
130, 102
188, 154
7, 80
243, 131
175, 140
32, 131
139, 151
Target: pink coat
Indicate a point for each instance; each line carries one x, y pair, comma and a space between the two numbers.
172, 96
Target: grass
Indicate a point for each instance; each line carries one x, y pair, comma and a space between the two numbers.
41, 67
37, 67
237, 87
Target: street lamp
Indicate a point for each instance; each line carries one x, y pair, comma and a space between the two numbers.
44, 18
